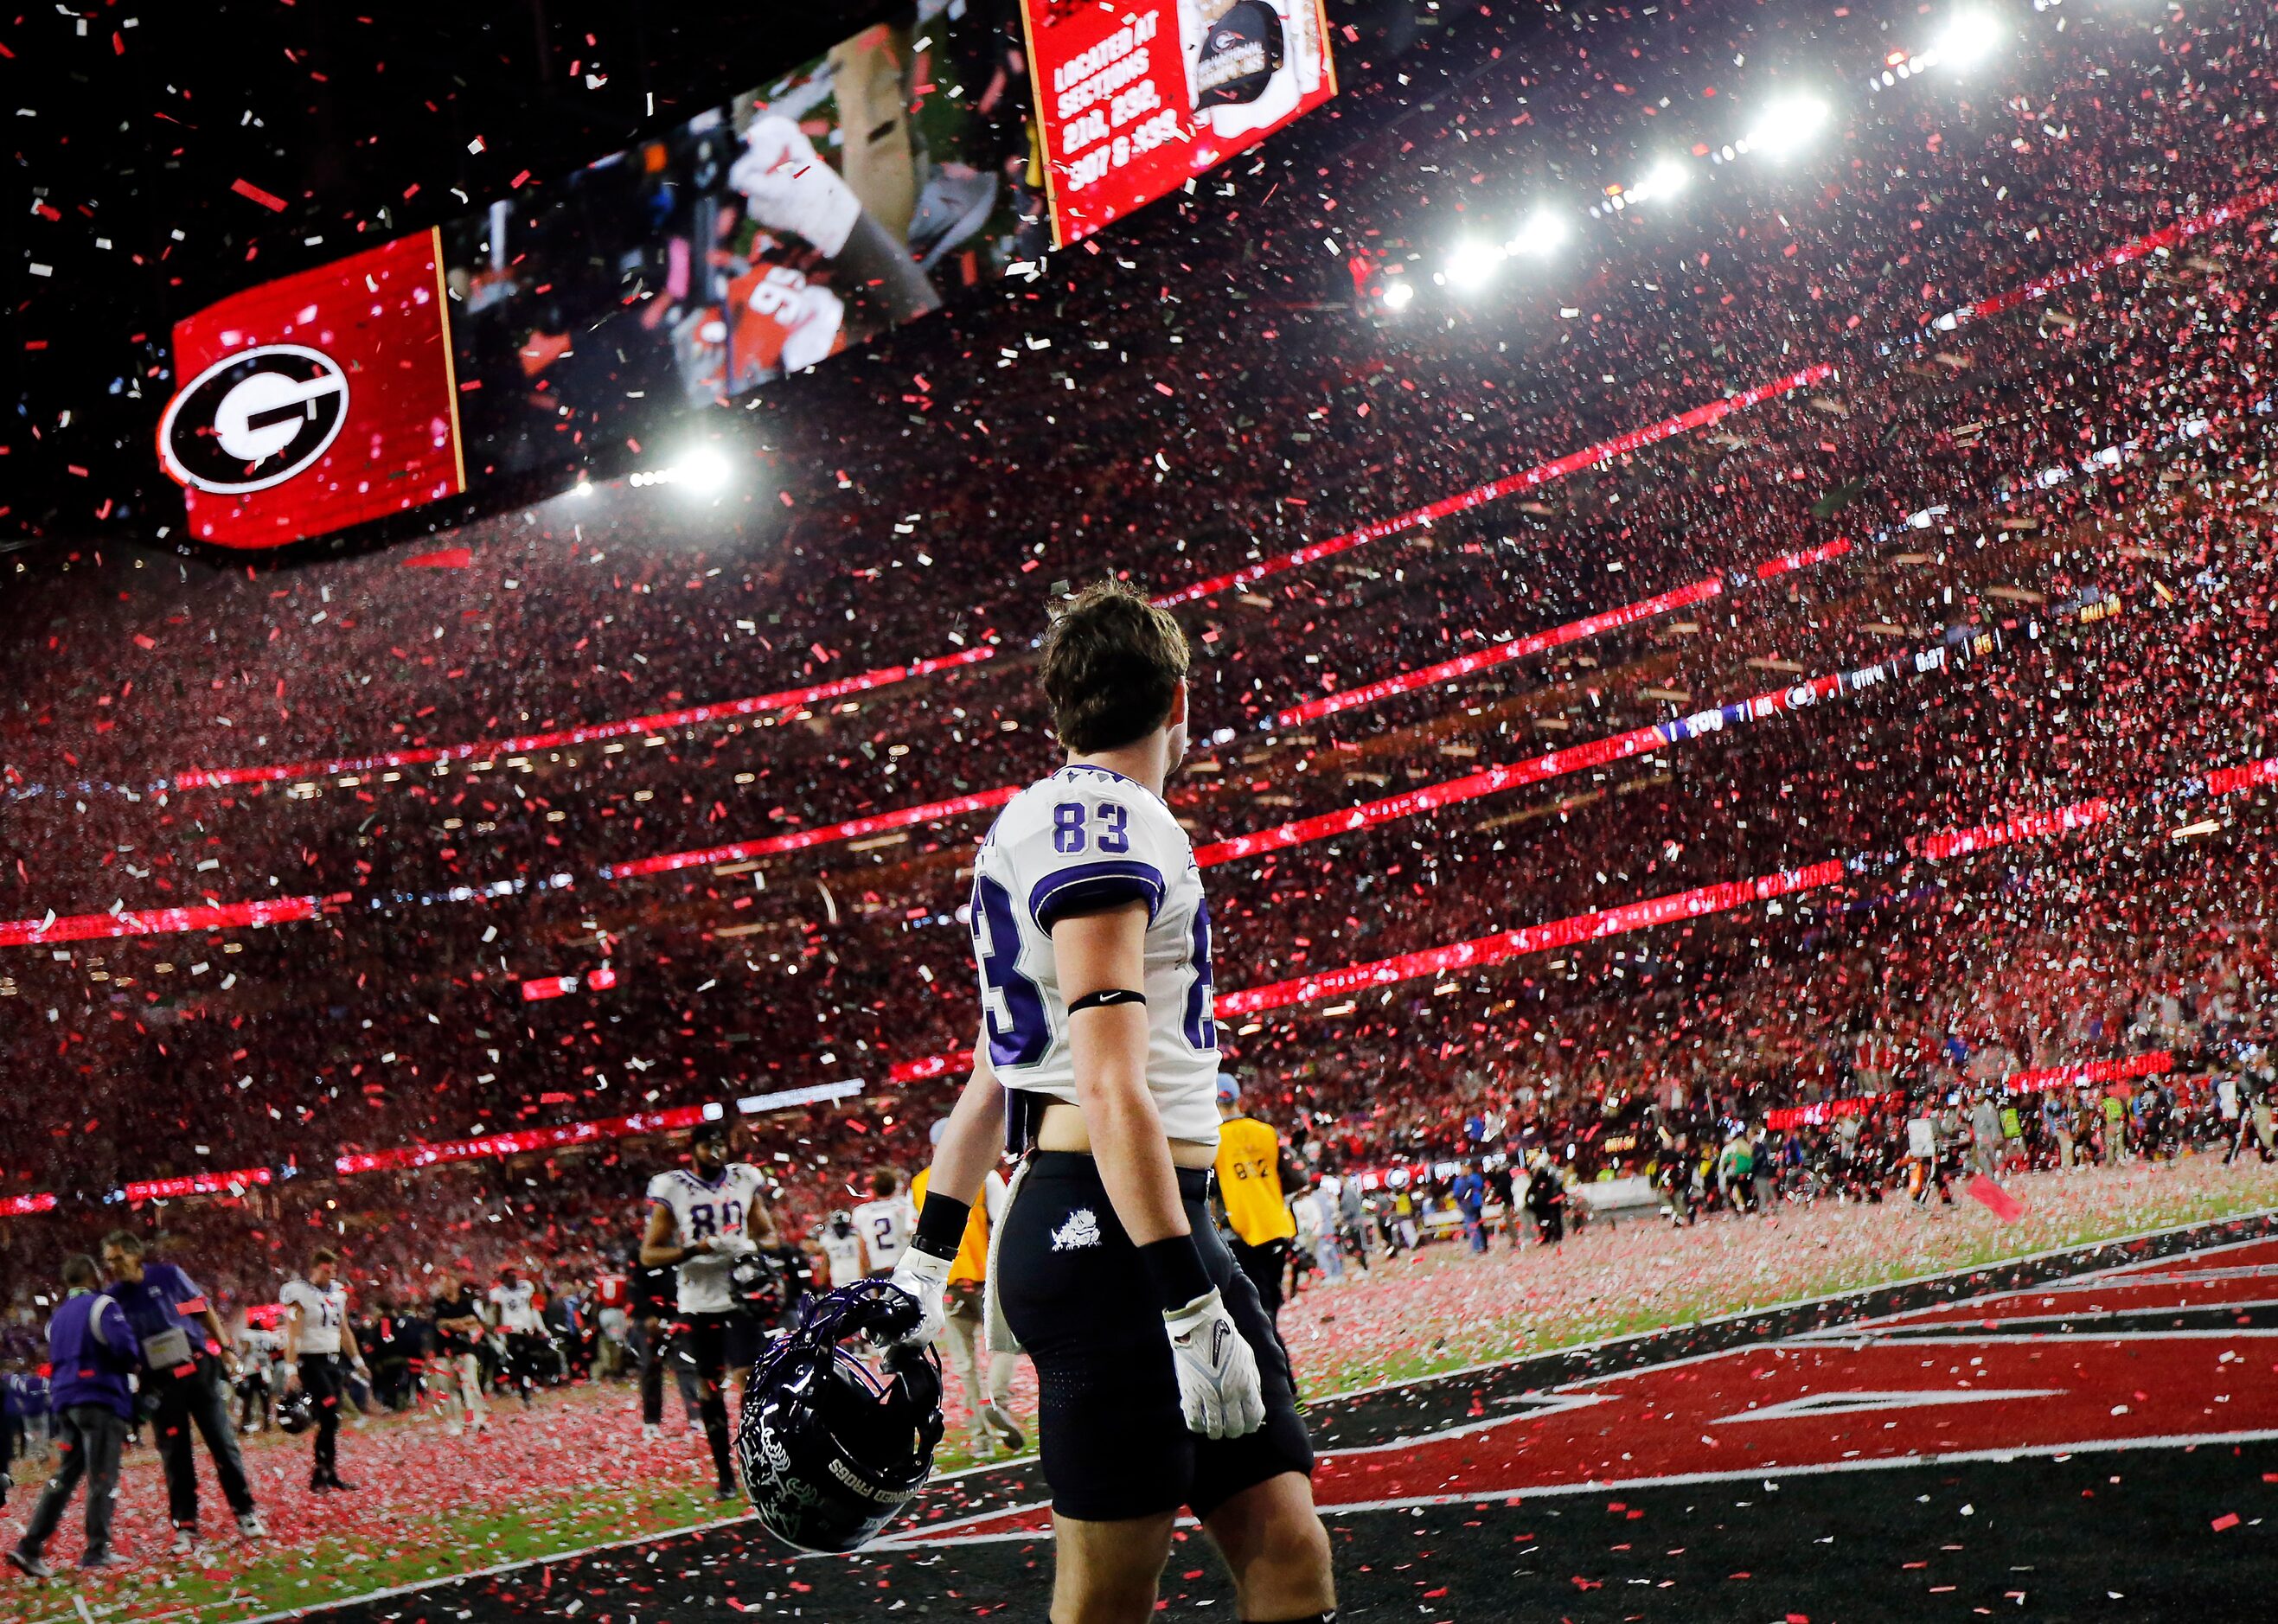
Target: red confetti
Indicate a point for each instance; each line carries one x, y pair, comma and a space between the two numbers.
267, 200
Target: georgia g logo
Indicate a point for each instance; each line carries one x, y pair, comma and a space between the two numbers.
253, 419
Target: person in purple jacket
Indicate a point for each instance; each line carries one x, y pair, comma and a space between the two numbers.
91, 1354
186, 1358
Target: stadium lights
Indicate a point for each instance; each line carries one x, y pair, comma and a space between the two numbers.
1543, 231
1970, 35
1786, 126
1399, 295
1668, 179
1473, 263
702, 470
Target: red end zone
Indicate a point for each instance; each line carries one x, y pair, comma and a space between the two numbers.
2152, 1355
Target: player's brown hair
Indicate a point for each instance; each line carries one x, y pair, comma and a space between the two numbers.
884, 1181
1113, 663
323, 1254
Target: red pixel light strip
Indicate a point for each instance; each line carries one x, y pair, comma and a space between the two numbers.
522, 1139
197, 1183
1541, 474
2231, 780
854, 828
726, 710
2157, 1064
2134, 249
1642, 915
1490, 781
2025, 825
157, 921
1499, 654
1537, 643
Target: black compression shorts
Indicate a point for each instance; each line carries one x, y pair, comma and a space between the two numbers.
713, 1345
1114, 1443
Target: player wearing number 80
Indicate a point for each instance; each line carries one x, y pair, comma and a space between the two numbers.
1161, 1382
702, 1220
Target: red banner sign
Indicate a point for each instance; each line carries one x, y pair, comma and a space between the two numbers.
318, 401
1135, 100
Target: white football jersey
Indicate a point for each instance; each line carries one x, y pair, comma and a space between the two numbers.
884, 1227
846, 1255
703, 1211
1082, 839
516, 1313
324, 1310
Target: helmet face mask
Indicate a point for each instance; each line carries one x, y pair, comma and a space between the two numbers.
831, 1452
296, 1411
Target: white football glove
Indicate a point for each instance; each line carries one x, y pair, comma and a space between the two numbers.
925, 1278
1218, 1387
789, 189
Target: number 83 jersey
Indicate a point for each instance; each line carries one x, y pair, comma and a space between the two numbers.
1083, 840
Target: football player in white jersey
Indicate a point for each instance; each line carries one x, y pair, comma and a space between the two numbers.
842, 1247
514, 1310
701, 1220
884, 1221
1161, 1381
320, 1350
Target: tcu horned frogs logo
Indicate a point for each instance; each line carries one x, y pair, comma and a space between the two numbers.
253, 419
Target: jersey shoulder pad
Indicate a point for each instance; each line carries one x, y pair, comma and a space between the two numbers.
662, 1188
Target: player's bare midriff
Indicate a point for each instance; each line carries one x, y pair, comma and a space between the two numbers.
1063, 1128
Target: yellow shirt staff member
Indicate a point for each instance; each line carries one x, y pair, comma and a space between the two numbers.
962, 1316
1253, 1195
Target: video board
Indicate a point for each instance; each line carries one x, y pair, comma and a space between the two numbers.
576, 324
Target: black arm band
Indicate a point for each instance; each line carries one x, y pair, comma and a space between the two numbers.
1106, 996
1176, 1267
941, 1225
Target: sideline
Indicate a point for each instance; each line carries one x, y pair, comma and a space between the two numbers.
915, 1539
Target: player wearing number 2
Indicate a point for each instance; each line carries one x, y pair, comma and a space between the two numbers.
1161, 1382
883, 1223
701, 1219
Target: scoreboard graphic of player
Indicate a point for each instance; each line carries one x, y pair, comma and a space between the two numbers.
1135, 101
